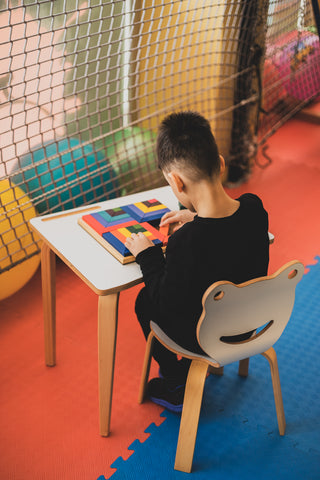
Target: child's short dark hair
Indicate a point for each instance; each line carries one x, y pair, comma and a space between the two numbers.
185, 139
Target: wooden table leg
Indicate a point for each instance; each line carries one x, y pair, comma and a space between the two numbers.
48, 276
107, 335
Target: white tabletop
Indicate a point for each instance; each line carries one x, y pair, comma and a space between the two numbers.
84, 255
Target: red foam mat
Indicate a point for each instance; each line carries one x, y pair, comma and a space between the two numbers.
49, 416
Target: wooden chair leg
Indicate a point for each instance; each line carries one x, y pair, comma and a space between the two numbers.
146, 367
271, 356
215, 371
190, 415
243, 367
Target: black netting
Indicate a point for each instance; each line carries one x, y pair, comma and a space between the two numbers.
84, 85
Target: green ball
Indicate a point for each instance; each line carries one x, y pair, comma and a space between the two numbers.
131, 152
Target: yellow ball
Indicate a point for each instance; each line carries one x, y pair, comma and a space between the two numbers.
16, 239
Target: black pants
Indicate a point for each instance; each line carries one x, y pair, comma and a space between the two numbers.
170, 367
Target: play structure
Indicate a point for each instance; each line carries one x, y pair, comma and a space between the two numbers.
84, 86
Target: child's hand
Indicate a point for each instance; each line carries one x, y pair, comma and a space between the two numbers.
137, 243
179, 217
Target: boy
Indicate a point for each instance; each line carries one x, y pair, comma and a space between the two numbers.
218, 238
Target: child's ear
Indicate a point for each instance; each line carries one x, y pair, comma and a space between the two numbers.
222, 165
178, 181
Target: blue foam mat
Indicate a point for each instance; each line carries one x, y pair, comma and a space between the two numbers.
238, 433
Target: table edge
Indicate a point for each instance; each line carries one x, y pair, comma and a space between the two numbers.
99, 292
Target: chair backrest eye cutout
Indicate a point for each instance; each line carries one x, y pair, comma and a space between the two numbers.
292, 274
219, 295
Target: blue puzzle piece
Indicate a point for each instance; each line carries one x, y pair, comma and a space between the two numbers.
140, 216
100, 219
156, 241
116, 244
134, 212
155, 215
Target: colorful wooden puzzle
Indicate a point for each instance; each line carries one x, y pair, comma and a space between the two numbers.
112, 227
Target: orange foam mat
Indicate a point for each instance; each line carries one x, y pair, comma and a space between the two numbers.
49, 416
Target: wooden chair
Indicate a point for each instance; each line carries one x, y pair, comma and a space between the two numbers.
262, 305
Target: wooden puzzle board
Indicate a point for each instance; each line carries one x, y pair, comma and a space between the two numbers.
112, 227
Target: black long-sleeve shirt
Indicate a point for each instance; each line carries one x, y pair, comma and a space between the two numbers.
201, 252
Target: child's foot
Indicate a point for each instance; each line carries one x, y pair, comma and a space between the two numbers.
166, 393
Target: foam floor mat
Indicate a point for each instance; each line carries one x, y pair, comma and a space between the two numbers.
238, 434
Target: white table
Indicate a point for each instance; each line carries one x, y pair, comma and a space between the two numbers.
107, 277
